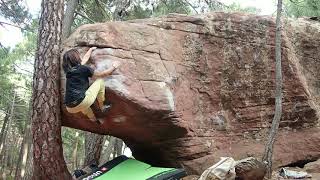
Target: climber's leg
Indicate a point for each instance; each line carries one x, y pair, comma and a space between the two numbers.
101, 93
89, 113
100, 86
84, 109
96, 90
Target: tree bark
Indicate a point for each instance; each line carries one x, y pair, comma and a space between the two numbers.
4, 144
278, 96
75, 152
107, 153
48, 161
3, 133
120, 10
29, 168
21, 160
118, 147
93, 147
69, 18
23, 155
16, 142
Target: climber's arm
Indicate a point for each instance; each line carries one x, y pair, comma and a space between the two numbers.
87, 55
106, 72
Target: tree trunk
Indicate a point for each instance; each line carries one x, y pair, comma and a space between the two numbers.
124, 148
48, 161
75, 152
278, 96
93, 147
3, 132
118, 147
107, 153
23, 155
20, 167
120, 10
69, 18
16, 142
4, 144
29, 168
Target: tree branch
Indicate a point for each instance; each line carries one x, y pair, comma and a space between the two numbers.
209, 3
5, 5
297, 3
12, 12
82, 15
2, 23
191, 6
4, 48
101, 8
22, 69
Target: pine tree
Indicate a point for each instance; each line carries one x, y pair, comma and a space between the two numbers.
48, 161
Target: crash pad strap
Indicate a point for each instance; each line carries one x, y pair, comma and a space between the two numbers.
108, 166
169, 175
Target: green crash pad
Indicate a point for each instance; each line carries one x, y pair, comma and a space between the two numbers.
124, 168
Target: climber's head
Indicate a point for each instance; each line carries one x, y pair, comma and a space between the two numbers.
70, 59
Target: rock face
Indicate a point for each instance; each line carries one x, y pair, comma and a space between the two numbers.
194, 88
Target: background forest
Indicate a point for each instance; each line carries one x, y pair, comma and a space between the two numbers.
16, 72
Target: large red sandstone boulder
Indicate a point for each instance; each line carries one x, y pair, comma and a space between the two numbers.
194, 88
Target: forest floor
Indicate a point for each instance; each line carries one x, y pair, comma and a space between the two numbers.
275, 175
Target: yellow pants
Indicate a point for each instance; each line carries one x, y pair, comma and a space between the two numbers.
95, 91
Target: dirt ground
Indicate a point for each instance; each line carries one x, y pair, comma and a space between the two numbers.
315, 176
275, 176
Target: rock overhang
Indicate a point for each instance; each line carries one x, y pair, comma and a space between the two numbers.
193, 88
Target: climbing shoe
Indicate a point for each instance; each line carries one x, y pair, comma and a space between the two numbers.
78, 173
106, 107
100, 121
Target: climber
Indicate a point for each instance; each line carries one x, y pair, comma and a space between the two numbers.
79, 96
